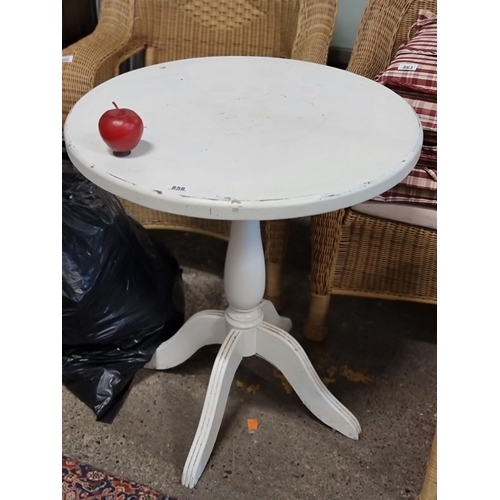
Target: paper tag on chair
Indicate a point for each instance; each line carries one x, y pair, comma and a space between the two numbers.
67, 59
407, 67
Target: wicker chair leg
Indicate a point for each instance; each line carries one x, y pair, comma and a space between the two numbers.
315, 328
429, 489
326, 231
274, 238
273, 285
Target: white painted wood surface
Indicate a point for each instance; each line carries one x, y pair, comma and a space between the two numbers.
248, 139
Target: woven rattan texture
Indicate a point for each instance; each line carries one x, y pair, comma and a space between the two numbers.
179, 29
388, 259
384, 26
361, 255
379, 257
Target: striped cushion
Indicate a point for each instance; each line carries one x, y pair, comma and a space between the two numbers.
415, 66
420, 186
413, 75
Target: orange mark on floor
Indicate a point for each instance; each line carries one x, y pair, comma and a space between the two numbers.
252, 424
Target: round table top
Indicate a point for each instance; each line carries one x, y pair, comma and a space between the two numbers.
248, 138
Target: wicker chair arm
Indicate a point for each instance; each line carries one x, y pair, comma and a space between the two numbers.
374, 46
314, 30
96, 58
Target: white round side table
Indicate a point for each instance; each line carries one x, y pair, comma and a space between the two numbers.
247, 139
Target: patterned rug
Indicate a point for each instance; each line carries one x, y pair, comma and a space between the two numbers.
82, 481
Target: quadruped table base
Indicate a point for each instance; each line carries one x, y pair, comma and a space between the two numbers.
250, 326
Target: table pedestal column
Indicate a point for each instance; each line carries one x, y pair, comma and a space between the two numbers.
250, 326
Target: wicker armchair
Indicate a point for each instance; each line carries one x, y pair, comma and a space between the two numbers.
358, 254
177, 29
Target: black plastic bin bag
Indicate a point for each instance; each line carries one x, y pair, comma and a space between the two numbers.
122, 295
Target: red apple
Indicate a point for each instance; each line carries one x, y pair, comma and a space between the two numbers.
121, 129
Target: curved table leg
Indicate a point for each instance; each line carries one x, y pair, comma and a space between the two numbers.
272, 316
201, 329
228, 360
255, 328
288, 356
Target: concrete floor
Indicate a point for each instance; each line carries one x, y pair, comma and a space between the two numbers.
379, 361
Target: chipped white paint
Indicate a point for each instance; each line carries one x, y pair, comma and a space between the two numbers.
250, 326
254, 139
267, 138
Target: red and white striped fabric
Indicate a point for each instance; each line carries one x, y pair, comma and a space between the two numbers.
411, 71
426, 111
420, 186
429, 153
404, 194
414, 68
425, 38
413, 75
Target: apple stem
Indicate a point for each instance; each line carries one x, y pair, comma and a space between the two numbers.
114, 104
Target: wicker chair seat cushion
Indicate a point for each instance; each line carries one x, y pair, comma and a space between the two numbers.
420, 186
409, 213
426, 111
406, 191
421, 79
425, 105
